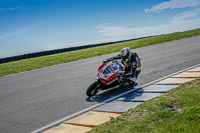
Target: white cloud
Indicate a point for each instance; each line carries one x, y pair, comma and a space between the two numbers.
11, 9
172, 4
109, 30
15, 32
186, 15
185, 21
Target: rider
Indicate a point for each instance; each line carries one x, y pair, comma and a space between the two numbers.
130, 61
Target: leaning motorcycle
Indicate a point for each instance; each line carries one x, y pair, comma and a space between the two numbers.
110, 74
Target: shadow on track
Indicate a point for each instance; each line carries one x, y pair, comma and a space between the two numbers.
130, 97
109, 93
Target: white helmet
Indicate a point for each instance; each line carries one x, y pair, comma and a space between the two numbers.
125, 53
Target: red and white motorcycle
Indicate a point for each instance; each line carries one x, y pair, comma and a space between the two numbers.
110, 74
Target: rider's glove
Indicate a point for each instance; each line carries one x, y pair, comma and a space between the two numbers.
104, 61
111, 58
107, 60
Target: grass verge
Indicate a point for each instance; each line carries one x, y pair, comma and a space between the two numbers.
44, 61
177, 111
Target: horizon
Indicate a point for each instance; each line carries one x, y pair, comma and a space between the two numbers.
86, 44
33, 26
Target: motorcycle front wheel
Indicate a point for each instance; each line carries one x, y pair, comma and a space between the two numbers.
93, 89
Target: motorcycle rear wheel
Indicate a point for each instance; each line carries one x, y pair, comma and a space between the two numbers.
93, 89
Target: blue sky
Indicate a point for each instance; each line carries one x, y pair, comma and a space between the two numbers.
36, 25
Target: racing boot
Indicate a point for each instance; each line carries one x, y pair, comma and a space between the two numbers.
132, 82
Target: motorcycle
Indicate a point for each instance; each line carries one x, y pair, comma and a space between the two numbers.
110, 74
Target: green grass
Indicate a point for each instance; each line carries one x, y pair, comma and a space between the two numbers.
44, 61
177, 111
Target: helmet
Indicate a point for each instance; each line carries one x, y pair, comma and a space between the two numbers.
125, 53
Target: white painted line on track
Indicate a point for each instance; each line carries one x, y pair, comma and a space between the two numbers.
106, 101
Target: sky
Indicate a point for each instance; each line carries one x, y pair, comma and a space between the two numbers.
28, 26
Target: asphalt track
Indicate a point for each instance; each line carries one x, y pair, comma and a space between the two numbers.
36, 98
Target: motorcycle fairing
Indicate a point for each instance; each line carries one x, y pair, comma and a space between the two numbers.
107, 72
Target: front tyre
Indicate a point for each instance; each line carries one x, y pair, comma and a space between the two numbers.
93, 89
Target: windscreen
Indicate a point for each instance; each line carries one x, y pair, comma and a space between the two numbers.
112, 67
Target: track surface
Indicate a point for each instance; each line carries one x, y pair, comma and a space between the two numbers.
36, 98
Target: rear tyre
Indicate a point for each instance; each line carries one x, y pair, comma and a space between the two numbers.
93, 89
